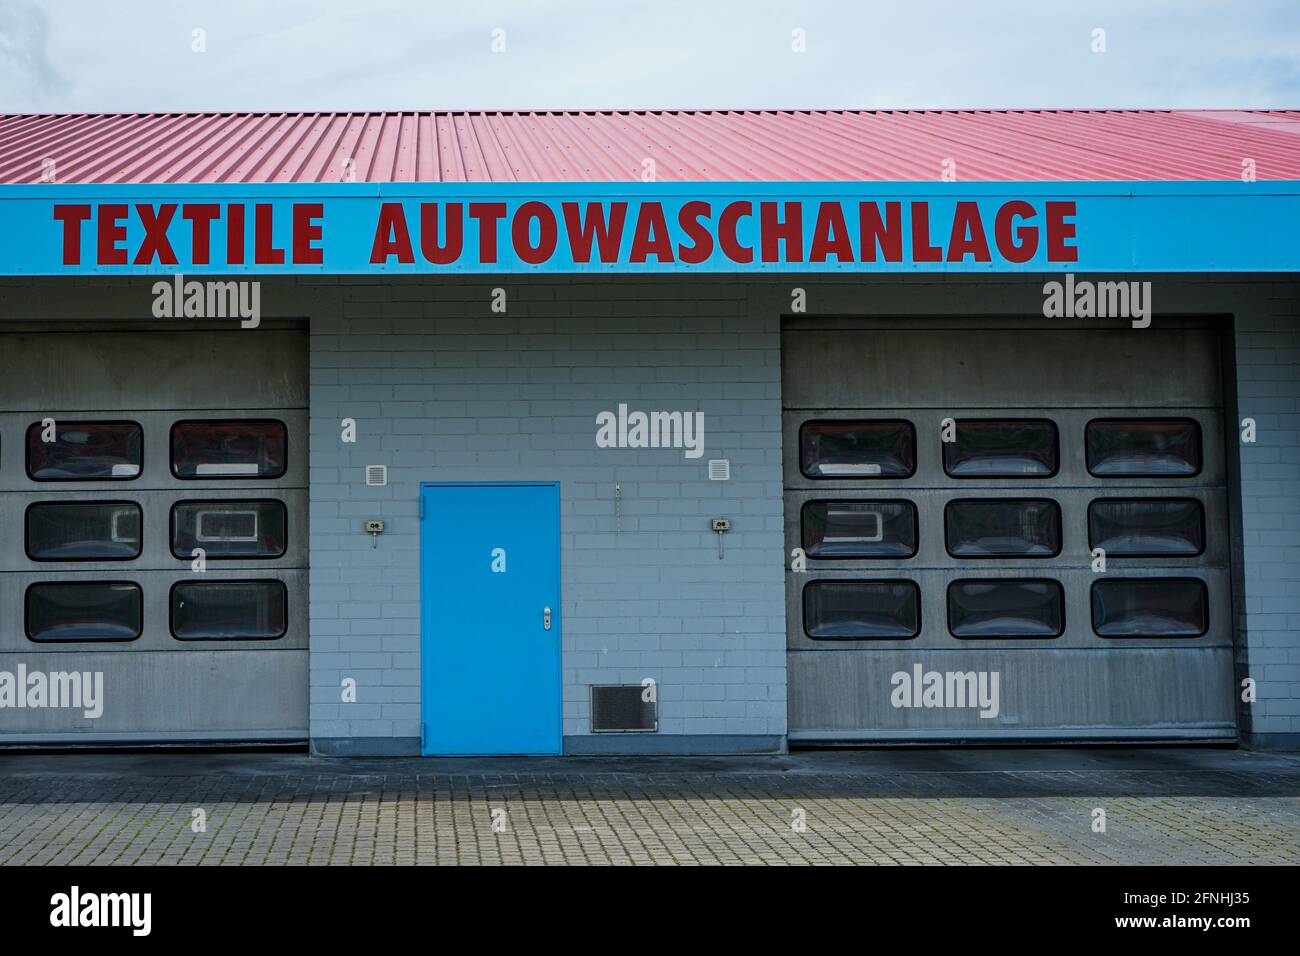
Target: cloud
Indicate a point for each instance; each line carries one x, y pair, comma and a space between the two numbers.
576, 54
28, 79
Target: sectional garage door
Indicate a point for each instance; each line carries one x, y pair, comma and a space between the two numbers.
953, 486
153, 530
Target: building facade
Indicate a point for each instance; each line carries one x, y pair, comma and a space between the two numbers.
371, 433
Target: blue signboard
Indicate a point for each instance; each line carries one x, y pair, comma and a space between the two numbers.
631, 228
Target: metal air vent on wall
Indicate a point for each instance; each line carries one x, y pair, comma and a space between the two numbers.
376, 474
619, 708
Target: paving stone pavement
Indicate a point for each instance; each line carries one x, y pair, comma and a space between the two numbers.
806, 809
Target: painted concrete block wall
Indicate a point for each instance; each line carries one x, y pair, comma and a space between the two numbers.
444, 389
1267, 348
716, 340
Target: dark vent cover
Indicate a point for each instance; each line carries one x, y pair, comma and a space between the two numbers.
618, 708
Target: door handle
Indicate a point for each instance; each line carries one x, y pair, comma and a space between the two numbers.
546, 618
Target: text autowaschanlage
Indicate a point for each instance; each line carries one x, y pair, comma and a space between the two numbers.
650, 232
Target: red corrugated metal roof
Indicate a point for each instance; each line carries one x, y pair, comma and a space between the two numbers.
1066, 145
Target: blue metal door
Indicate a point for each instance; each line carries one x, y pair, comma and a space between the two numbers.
490, 618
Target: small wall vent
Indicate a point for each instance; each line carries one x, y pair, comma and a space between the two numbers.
619, 709
376, 474
719, 469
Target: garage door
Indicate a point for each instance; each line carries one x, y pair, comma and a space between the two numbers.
1004, 532
153, 535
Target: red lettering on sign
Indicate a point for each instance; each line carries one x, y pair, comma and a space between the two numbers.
449, 251
650, 237
155, 240
830, 234
774, 231
72, 217
200, 216
521, 232
265, 252
235, 234
1058, 230
1006, 232
727, 238
307, 230
486, 212
392, 238
922, 250
688, 218
875, 234
594, 231
967, 237
109, 234
584, 230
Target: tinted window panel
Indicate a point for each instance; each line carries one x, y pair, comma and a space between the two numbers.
1135, 447
988, 528
229, 611
229, 529
1168, 528
859, 529
858, 449
89, 611
862, 610
983, 609
83, 531
1150, 607
85, 451
252, 448
1001, 448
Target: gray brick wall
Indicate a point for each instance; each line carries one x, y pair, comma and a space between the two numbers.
660, 318
450, 366
1267, 348
443, 389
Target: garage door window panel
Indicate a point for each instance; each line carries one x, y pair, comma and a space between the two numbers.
229, 611
1002, 448
1005, 609
1001, 528
857, 449
230, 529
1150, 607
862, 610
84, 611
1147, 528
84, 451
1143, 448
83, 531
248, 448
858, 529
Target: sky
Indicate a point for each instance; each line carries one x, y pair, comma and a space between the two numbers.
186, 55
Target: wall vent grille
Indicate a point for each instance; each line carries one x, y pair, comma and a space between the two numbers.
619, 709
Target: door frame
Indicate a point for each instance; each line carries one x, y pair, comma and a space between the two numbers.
557, 617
